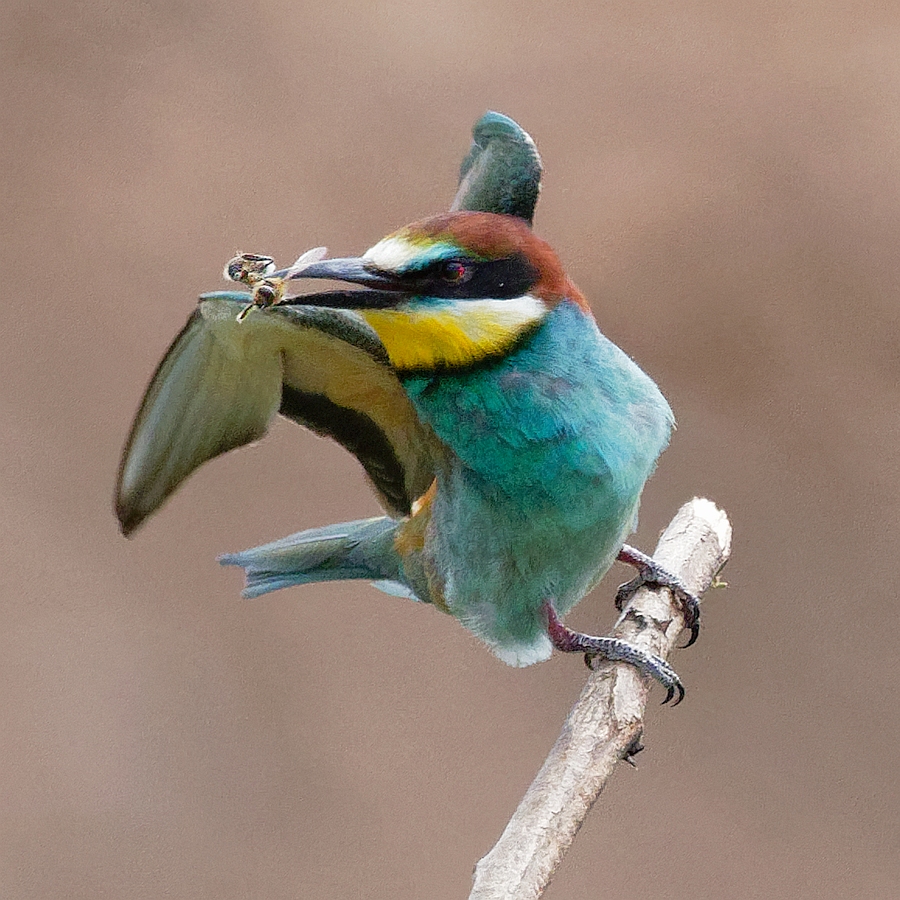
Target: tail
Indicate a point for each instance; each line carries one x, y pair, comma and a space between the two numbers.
363, 549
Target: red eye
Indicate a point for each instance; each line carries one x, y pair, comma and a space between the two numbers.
454, 271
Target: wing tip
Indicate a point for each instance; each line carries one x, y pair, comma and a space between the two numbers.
129, 518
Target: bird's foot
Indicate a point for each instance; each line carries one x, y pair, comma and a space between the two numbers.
614, 649
652, 574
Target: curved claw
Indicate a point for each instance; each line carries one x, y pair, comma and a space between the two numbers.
670, 691
691, 618
652, 574
647, 664
674, 684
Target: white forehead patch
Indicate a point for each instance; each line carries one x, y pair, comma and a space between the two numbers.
392, 254
397, 254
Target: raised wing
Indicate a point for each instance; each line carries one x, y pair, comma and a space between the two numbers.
222, 381
502, 171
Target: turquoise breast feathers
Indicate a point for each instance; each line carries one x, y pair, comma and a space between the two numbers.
551, 448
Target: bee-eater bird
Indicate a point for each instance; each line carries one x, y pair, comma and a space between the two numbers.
508, 440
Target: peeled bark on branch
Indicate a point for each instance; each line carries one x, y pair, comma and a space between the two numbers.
606, 722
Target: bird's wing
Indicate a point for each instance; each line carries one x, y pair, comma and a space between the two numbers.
222, 381
502, 171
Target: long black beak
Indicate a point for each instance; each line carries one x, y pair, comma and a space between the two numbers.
352, 269
382, 291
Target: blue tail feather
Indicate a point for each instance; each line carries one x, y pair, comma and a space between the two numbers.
352, 550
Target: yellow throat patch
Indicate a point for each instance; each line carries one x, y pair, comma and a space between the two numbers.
452, 334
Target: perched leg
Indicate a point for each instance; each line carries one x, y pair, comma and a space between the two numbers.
614, 649
651, 573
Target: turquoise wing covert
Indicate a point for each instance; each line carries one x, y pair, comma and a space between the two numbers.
222, 381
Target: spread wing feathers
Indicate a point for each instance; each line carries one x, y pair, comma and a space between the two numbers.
222, 381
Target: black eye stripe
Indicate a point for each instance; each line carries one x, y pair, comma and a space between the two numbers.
499, 279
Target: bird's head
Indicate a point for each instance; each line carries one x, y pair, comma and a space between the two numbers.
451, 291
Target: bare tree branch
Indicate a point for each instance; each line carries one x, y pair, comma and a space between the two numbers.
606, 720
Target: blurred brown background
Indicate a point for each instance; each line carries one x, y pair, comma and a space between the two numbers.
723, 181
